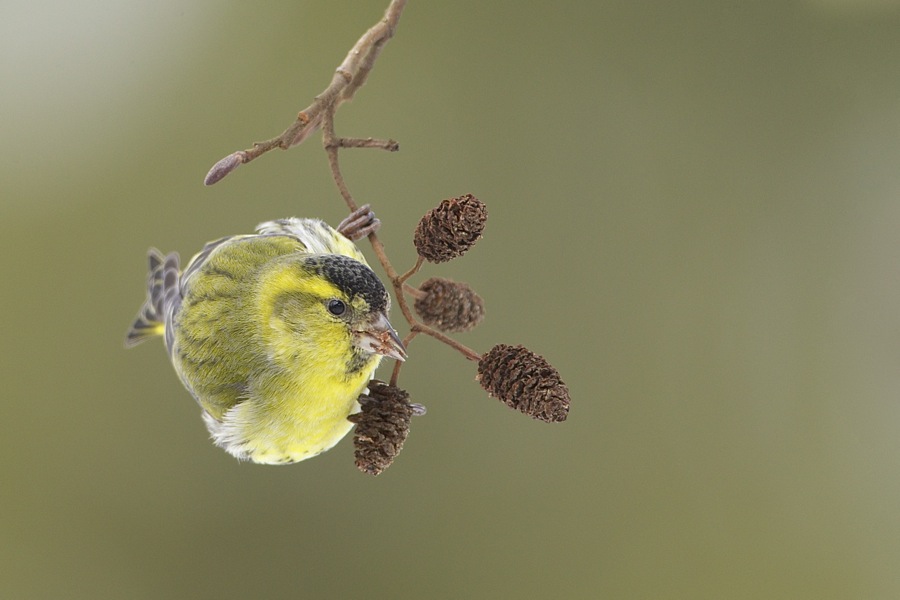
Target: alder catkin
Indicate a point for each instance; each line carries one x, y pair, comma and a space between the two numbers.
450, 229
449, 305
381, 426
525, 381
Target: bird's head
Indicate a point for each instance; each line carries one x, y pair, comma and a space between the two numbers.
333, 305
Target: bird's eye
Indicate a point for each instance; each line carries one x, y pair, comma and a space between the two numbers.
336, 307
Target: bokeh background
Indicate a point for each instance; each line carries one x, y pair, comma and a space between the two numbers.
693, 214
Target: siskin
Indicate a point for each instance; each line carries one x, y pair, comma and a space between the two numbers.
275, 334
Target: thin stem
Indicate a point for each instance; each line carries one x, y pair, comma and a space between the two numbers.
414, 292
413, 270
389, 145
331, 149
395, 375
461, 348
409, 338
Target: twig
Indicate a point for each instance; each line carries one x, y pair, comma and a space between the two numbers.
420, 260
414, 292
389, 145
395, 375
461, 348
348, 78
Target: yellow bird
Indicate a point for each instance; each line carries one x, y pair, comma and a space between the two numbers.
275, 334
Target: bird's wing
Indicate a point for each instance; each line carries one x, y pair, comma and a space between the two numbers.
201, 257
210, 344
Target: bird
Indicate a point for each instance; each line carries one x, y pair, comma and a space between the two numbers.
276, 334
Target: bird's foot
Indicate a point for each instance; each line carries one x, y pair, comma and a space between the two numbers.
359, 223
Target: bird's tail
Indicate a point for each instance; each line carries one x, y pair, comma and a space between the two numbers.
162, 283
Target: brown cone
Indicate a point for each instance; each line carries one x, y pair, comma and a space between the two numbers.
525, 381
450, 229
449, 305
381, 426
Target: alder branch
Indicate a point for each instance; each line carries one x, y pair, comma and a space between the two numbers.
348, 78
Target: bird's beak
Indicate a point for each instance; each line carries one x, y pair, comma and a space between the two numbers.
379, 337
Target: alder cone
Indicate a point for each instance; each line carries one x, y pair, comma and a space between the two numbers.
450, 229
525, 381
382, 426
449, 305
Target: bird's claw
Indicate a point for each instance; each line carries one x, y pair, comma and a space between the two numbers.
359, 223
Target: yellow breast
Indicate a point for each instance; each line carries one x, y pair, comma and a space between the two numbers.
291, 417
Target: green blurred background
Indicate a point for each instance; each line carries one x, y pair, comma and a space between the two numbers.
694, 216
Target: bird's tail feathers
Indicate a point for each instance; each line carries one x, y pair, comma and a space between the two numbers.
162, 282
